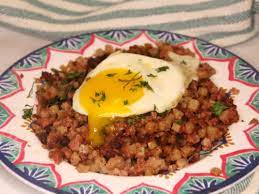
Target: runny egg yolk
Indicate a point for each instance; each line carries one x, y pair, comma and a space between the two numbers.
106, 94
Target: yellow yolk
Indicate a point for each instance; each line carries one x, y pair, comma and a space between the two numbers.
107, 93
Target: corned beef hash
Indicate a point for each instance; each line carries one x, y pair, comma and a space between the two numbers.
144, 110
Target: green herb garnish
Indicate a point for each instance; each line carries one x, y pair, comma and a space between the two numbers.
134, 119
128, 72
146, 85
98, 98
160, 69
82, 123
180, 121
218, 107
134, 78
111, 74
183, 62
57, 100
125, 102
141, 84
75, 75
130, 121
27, 112
128, 81
151, 75
54, 70
133, 89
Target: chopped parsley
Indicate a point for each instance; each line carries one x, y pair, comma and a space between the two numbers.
27, 112
54, 70
130, 121
163, 68
133, 89
145, 84
128, 72
183, 62
111, 74
98, 98
180, 121
135, 77
218, 107
134, 119
57, 100
141, 84
75, 75
125, 102
151, 75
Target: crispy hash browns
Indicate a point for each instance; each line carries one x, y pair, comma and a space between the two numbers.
147, 144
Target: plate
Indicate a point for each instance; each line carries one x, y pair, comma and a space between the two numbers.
22, 154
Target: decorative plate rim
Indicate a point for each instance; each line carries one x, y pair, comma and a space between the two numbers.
12, 169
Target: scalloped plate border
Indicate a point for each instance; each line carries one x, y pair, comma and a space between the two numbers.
42, 187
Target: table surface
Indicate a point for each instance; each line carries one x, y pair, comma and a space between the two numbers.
15, 45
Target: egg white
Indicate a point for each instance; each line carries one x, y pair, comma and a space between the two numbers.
168, 87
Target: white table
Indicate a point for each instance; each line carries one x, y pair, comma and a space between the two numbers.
15, 45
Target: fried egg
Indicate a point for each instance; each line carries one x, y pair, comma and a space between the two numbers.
126, 84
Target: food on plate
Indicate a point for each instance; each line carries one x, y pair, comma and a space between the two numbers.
144, 110
253, 121
215, 171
